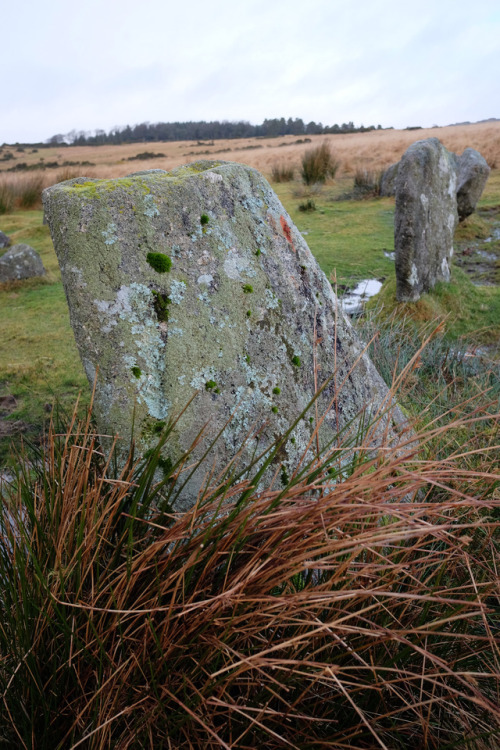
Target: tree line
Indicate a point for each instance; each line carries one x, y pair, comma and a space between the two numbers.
147, 132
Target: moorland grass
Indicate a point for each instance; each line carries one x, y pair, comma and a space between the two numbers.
332, 612
318, 164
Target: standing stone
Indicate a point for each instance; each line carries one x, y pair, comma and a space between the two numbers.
197, 282
4, 240
425, 218
20, 262
473, 172
388, 181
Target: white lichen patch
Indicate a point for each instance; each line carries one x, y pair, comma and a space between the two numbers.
205, 279
452, 187
445, 269
212, 176
235, 265
413, 277
177, 292
109, 234
150, 207
272, 301
202, 377
424, 200
79, 282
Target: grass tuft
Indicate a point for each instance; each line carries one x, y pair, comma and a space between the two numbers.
318, 164
352, 604
282, 172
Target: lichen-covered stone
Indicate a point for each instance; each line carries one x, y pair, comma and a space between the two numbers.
20, 262
425, 218
388, 181
4, 240
473, 172
243, 316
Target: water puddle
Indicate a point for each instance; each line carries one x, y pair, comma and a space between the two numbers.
480, 258
353, 302
488, 256
391, 256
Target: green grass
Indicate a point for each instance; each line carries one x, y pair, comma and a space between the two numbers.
470, 312
39, 360
348, 237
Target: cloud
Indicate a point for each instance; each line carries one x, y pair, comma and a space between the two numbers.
97, 64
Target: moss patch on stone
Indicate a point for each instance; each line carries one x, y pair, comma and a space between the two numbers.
160, 262
161, 303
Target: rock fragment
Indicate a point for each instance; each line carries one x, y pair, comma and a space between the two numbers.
20, 262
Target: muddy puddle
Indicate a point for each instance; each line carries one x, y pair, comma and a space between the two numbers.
480, 258
353, 301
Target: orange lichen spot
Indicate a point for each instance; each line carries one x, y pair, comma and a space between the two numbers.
286, 231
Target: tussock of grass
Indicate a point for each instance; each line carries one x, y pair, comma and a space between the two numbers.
357, 606
367, 183
318, 164
282, 173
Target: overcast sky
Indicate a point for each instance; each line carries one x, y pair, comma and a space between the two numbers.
101, 63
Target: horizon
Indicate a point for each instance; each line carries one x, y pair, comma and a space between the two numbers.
120, 128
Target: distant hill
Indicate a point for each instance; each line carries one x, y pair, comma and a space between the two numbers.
478, 122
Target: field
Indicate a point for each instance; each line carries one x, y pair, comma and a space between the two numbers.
374, 150
323, 611
350, 238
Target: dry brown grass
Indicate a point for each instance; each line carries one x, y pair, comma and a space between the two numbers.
330, 613
372, 151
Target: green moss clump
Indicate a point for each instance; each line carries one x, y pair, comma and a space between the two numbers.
247, 359
136, 371
247, 288
292, 440
165, 464
160, 262
276, 390
204, 219
258, 252
296, 361
284, 476
210, 385
161, 303
158, 427
274, 409
249, 312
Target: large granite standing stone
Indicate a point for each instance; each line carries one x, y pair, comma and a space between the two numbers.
473, 172
388, 181
425, 218
20, 262
197, 281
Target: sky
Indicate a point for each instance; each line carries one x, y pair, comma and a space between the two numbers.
98, 64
